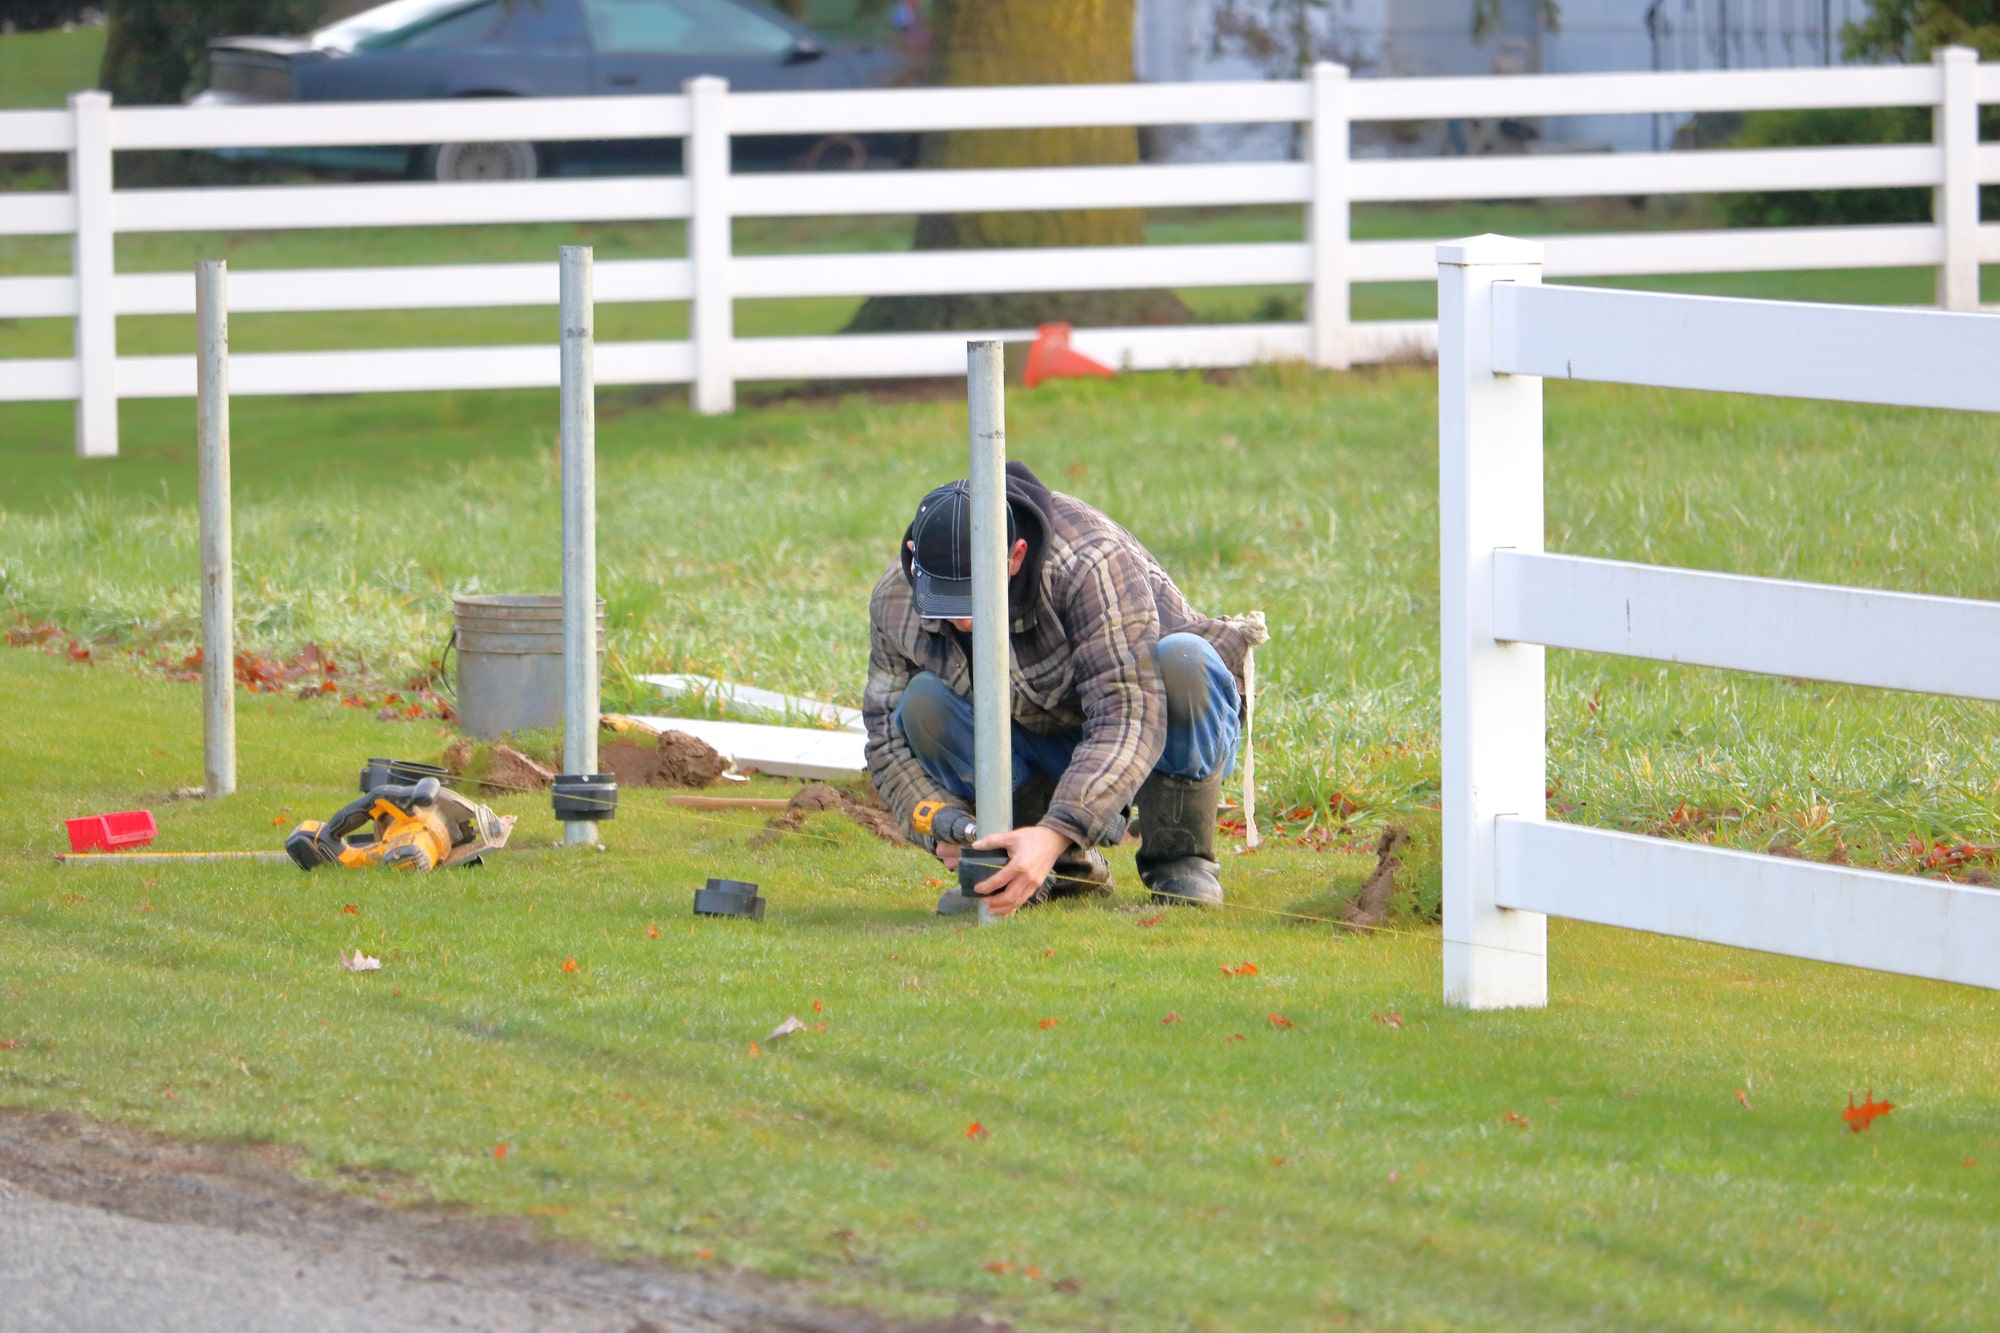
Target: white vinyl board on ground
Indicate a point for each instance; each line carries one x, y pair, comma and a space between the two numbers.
786, 752
754, 699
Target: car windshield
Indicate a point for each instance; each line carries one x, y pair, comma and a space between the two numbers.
385, 24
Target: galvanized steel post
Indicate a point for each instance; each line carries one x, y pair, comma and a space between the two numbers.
218, 591
992, 687
579, 526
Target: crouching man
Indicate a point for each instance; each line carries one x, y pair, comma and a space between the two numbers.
1122, 696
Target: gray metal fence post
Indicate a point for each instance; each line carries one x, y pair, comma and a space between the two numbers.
218, 590
992, 694
579, 511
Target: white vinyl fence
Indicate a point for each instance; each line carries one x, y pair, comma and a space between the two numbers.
713, 360
1504, 600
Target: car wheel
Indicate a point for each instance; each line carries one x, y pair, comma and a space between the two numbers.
480, 162
837, 152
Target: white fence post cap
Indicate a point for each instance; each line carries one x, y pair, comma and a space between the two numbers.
1329, 69
1955, 54
1489, 249
704, 83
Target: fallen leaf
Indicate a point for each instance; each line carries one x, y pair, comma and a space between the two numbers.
1067, 1284
1968, 1162
351, 910
1032, 1274
278, 820
1234, 1036
1516, 1119
975, 1130
1278, 1161
998, 1266
1743, 1100
819, 1027
1392, 1019
786, 1028
704, 1254
1860, 1117
360, 962
14, 1044
1154, 920
147, 907
1170, 1020
815, 1006
499, 1150
754, 1051
1048, 1023
1048, 953
652, 932
1280, 1021
1240, 970
569, 964
144, 884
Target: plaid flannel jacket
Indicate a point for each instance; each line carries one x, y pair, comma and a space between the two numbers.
1087, 621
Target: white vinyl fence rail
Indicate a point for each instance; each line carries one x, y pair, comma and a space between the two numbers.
1505, 600
713, 360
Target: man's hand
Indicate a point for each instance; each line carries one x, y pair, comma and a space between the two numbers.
947, 852
1031, 855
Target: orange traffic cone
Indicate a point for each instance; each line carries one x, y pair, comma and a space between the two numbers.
1051, 358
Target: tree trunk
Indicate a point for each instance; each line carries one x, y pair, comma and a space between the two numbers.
997, 42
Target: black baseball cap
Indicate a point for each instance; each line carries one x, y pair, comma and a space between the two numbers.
941, 565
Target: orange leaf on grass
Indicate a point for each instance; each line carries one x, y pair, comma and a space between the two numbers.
1067, 1284
1240, 970
704, 1253
815, 1006
351, 910
998, 1266
1516, 1119
1743, 1099
1280, 1021
1048, 1023
975, 1130
1234, 1036
1152, 920
1392, 1019
754, 1050
1860, 1117
1032, 1274
652, 931
569, 963
499, 1151
1170, 1019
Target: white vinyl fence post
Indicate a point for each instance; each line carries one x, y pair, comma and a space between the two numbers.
711, 318
1327, 219
1494, 705
218, 580
1955, 127
577, 404
92, 262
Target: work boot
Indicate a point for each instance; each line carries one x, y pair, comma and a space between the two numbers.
1177, 839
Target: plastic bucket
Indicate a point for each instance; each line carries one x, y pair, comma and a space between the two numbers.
510, 661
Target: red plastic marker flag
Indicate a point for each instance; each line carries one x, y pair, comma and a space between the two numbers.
1051, 357
1859, 1117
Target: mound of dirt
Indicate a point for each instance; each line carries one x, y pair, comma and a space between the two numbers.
816, 797
508, 770
1369, 909
678, 760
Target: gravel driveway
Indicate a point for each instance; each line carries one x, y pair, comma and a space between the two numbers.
103, 1228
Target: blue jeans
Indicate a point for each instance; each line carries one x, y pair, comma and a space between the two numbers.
1204, 723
